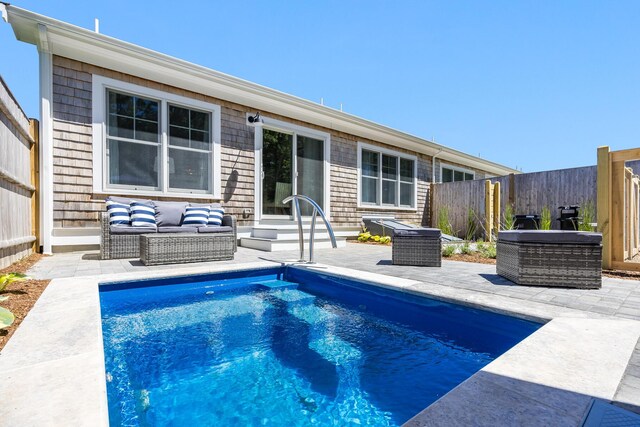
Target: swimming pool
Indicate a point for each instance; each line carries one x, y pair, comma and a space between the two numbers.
287, 347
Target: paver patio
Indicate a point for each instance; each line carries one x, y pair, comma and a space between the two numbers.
479, 282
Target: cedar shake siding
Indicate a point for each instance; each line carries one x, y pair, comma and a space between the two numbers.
75, 204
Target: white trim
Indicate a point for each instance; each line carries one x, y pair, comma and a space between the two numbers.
282, 126
98, 103
455, 168
388, 152
46, 141
84, 45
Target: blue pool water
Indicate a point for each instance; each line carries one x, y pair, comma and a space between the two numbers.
286, 347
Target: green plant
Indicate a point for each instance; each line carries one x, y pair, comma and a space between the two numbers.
507, 218
587, 217
448, 250
364, 235
545, 219
443, 221
6, 318
375, 238
466, 248
385, 240
481, 245
5, 279
472, 225
488, 251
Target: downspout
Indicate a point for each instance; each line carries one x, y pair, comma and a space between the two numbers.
433, 165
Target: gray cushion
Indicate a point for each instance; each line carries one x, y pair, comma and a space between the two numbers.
424, 232
127, 229
199, 205
169, 214
128, 200
551, 236
177, 229
221, 229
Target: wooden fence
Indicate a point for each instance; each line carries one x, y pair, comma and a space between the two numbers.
527, 193
18, 178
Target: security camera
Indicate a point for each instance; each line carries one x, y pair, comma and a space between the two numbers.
254, 119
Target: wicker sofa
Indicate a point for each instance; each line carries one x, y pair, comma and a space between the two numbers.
122, 241
571, 259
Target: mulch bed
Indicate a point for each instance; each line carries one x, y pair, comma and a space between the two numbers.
472, 257
22, 294
621, 274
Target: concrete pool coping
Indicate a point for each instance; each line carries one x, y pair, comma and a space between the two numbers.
52, 368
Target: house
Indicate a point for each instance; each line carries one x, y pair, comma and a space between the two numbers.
119, 119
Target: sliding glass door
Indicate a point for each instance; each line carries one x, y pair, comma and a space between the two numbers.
291, 163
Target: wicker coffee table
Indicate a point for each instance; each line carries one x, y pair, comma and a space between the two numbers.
168, 248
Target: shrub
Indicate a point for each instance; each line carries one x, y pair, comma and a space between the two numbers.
6, 318
466, 249
5, 279
385, 240
443, 221
507, 218
545, 219
472, 226
488, 251
448, 250
587, 217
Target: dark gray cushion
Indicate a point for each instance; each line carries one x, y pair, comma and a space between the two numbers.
221, 229
551, 236
177, 229
128, 200
424, 232
127, 229
169, 214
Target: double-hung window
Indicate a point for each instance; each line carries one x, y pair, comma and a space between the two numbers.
153, 142
387, 178
455, 174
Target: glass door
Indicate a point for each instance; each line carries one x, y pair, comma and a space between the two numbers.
291, 164
277, 172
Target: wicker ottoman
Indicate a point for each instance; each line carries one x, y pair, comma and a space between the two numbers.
167, 248
568, 259
418, 246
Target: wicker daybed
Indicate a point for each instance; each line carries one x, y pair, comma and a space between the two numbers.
417, 246
571, 259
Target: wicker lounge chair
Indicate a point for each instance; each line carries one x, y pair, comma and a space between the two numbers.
571, 259
418, 246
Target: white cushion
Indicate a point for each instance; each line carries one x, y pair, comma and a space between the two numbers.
195, 216
215, 216
142, 215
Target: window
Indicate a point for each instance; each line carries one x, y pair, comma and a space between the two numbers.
153, 142
454, 174
386, 178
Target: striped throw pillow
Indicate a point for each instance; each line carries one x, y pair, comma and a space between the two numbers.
195, 216
215, 216
118, 213
142, 215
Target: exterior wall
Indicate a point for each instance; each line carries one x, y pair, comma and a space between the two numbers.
75, 204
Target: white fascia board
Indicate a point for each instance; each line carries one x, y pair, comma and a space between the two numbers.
87, 46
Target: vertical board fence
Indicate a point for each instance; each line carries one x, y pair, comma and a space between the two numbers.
18, 178
526, 193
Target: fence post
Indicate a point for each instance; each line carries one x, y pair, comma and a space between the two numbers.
603, 209
496, 207
488, 210
34, 130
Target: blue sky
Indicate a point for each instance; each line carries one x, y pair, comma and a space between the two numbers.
531, 84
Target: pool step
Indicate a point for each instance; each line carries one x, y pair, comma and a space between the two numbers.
276, 284
292, 295
335, 350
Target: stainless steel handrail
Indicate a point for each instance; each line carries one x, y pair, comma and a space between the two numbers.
316, 209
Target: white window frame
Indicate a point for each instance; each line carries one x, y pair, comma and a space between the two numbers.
288, 128
100, 85
455, 168
388, 152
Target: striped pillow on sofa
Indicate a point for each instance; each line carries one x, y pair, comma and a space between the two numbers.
215, 216
118, 213
143, 215
195, 216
